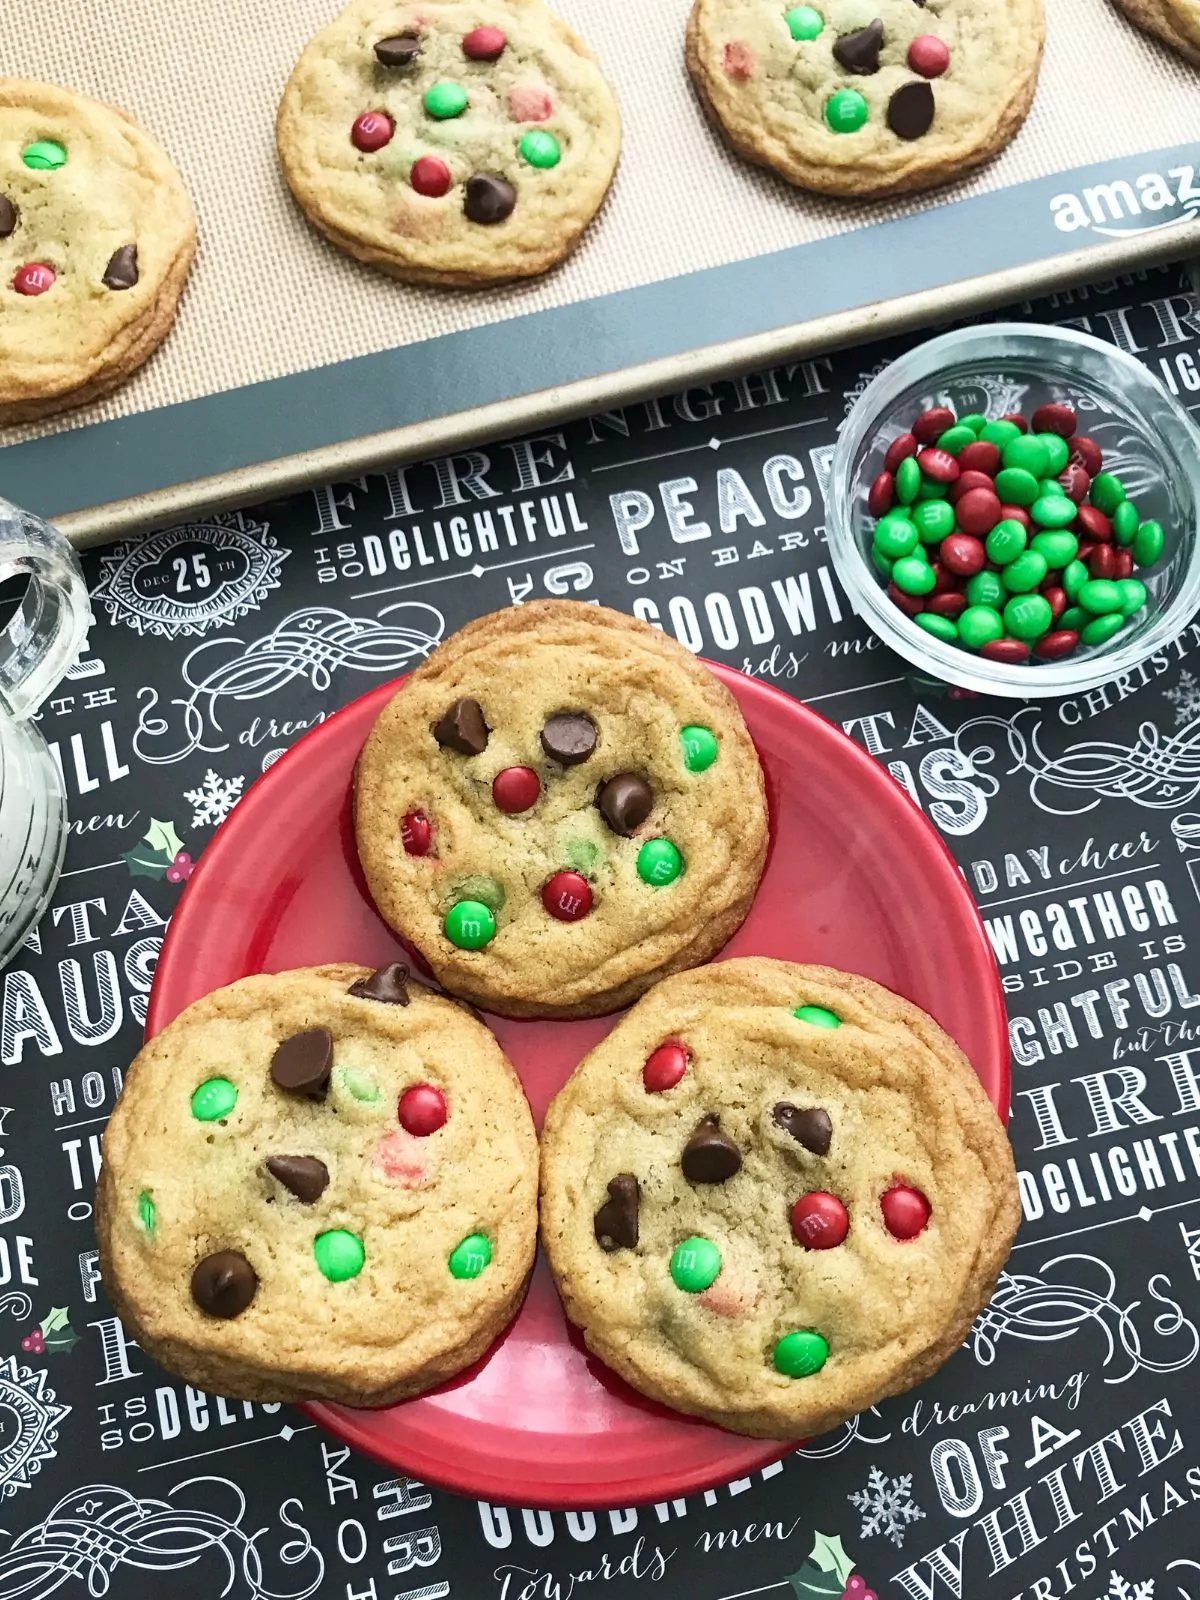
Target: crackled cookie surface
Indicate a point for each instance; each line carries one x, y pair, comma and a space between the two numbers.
451, 141
96, 238
1175, 22
867, 97
319, 1184
558, 807
775, 1195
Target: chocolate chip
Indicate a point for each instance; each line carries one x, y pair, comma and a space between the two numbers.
301, 1064
389, 985
122, 269
616, 1222
463, 728
625, 802
399, 50
224, 1284
710, 1156
910, 110
488, 198
569, 737
8, 216
811, 1128
859, 52
304, 1176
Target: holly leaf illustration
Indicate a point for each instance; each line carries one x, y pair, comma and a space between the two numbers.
161, 836
811, 1581
62, 1342
143, 862
57, 1317
827, 1553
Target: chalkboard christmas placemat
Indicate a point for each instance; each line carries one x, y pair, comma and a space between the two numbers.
1059, 1451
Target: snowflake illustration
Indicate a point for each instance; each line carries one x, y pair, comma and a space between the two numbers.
1120, 1588
214, 799
1185, 697
887, 1506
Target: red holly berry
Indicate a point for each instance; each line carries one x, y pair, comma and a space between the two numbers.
35, 1343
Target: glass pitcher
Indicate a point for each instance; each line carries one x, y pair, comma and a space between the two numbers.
41, 640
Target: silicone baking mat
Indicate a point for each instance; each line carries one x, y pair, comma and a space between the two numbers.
286, 349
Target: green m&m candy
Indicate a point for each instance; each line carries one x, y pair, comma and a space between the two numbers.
1005, 542
470, 925
1075, 575
540, 148
445, 99
44, 155
147, 1214
1026, 453
695, 1264
1053, 511
975, 420
1107, 492
359, 1085
882, 564
1075, 618
1024, 573
908, 480
340, 1255
659, 862
933, 520
799, 1355
804, 23
940, 627
914, 575
895, 536
985, 589
1101, 629
699, 747
981, 624
818, 1017
1148, 543
956, 439
470, 1256
1028, 616
1125, 522
846, 111
1058, 547
931, 489
1016, 487
1057, 450
999, 433
1099, 596
484, 889
1133, 595
214, 1099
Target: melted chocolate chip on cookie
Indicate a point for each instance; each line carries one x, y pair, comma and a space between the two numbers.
859, 52
304, 1176
812, 1128
616, 1222
463, 728
122, 269
569, 737
301, 1064
625, 802
489, 198
398, 51
8, 216
710, 1156
388, 984
224, 1284
910, 110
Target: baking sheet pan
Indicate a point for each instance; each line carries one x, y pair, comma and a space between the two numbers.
291, 363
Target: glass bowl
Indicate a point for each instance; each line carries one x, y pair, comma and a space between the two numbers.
1148, 440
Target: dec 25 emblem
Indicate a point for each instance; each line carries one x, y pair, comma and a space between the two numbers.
189, 579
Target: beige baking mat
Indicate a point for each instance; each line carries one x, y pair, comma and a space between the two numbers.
268, 296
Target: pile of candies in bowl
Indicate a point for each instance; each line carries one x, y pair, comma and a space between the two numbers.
1014, 509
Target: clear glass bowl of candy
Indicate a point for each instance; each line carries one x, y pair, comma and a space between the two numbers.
1014, 510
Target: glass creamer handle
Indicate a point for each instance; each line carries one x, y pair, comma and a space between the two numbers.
45, 634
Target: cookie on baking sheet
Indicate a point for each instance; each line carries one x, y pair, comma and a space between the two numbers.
96, 238
1175, 22
775, 1195
558, 807
319, 1184
451, 142
867, 97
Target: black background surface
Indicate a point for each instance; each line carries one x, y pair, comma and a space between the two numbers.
1057, 1453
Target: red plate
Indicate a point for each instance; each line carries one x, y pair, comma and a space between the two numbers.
856, 879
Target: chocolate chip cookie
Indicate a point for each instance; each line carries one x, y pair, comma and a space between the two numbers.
319, 1184
1175, 22
96, 238
559, 807
867, 97
775, 1195
449, 141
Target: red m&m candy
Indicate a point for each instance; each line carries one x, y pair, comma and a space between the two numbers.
929, 55
416, 834
422, 1110
665, 1066
905, 1210
567, 896
820, 1220
516, 789
431, 176
35, 277
372, 130
484, 44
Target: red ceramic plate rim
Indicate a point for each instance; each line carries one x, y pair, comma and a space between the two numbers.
744, 1455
